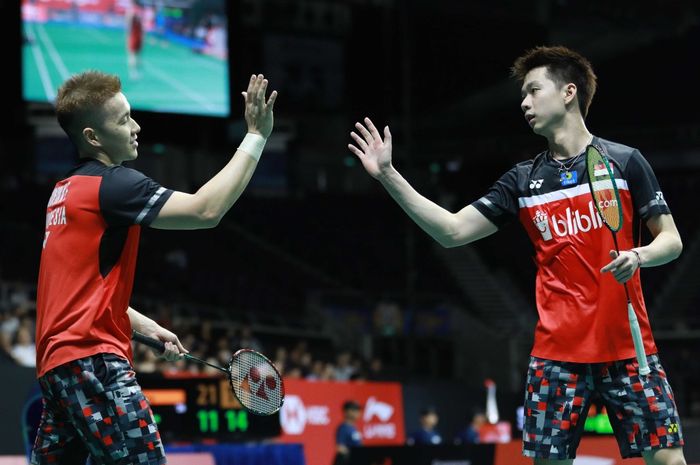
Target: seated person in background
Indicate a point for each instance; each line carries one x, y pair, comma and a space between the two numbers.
426, 435
470, 434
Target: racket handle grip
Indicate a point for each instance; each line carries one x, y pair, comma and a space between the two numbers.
637, 339
149, 341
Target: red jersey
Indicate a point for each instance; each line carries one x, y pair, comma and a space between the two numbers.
88, 260
582, 312
135, 41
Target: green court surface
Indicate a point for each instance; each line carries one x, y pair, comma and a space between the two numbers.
172, 78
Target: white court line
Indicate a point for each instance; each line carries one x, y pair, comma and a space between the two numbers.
53, 53
178, 86
41, 66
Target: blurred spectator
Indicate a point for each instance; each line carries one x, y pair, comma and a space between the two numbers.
294, 373
24, 350
306, 363
9, 326
209, 370
317, 371
248, 341
426, 434
280, 360
347, 435
145, 359
375, 372
470, 434
359, 373
344, 369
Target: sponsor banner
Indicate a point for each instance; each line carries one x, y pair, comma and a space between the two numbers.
570, 222
312, 411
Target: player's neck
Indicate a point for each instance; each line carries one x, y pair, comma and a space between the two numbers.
102, 157
570, 139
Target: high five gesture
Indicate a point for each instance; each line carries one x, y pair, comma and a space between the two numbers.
373, 152
258, 112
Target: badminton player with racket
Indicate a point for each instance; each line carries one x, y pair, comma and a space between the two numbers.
584, 342
93, 404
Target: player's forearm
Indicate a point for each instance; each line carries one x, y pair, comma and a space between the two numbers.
141, 323
665, 247
432, 218
223, 190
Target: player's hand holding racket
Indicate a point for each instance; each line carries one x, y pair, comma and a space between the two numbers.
373, 152
622, 266
606, 199
255, 381
172, 348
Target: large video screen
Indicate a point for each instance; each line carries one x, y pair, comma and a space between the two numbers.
171, 55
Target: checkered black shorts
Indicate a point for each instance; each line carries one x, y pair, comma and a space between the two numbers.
94, 406
642, 412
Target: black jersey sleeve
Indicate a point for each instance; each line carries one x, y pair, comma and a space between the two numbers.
500, 204
647, 197
129, 197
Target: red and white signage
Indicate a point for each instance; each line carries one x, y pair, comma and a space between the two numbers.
313, 410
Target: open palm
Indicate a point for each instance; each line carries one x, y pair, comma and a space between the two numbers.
373, 152
258, 112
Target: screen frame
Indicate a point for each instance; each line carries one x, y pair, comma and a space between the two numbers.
202, 120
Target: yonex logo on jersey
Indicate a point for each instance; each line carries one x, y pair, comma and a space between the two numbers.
569, 178
659, 195
571, 223
536, 183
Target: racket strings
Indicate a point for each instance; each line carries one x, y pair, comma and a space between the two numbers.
603, 189
607, 205
256, 383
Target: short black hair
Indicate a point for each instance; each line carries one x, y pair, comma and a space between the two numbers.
351, 405
428, 410
563, 66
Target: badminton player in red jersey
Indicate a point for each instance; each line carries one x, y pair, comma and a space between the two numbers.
93, 404
134, 38
582, 340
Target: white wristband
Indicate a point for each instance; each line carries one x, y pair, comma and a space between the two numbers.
253, 145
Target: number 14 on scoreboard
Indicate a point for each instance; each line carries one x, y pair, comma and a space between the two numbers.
235, 420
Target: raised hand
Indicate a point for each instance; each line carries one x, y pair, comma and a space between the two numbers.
258, 112
373, 152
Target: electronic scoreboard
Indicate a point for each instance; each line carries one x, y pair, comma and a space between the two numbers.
195, 408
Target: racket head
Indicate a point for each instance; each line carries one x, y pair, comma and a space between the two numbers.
256, 383
601, 181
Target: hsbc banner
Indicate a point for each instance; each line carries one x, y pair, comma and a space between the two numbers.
312, 411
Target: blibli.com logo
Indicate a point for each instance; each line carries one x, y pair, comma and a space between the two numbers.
567, 224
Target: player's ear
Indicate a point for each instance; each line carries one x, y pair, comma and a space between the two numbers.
91, 137
570, 91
